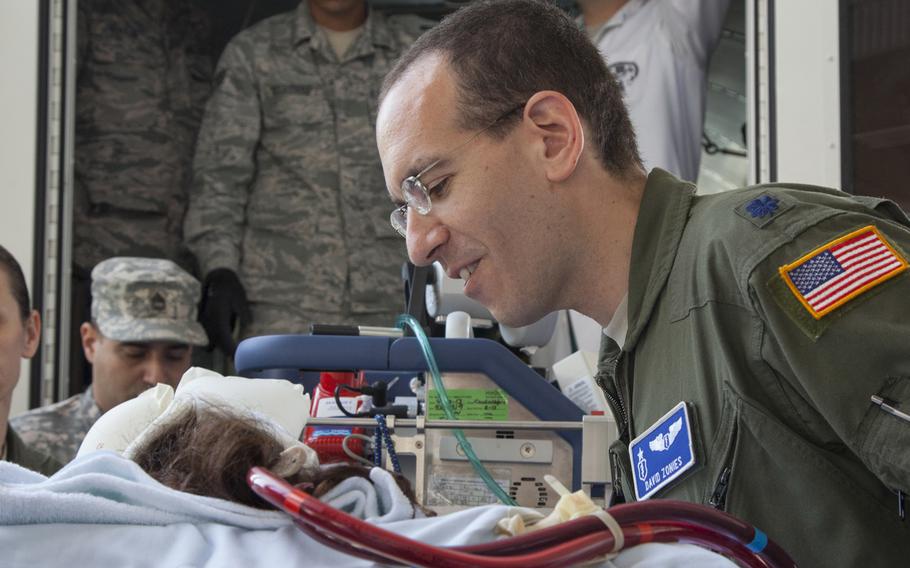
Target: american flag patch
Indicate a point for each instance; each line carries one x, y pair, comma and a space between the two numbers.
841, 270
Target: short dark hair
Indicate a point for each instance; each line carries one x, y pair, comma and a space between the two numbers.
504, 51
16, 282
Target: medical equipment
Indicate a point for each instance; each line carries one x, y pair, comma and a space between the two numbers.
444, 295
520, 426
570, 543
445, 299
333, 329
332, 399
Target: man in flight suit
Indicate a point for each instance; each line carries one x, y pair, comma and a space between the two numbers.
758, 337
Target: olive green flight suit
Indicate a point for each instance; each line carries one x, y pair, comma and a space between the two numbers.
786, 436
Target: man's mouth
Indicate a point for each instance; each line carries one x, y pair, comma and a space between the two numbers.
466, 272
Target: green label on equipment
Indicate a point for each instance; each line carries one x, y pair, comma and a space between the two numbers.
470, 404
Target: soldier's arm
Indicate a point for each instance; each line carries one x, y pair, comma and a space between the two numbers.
842, 350
224, 165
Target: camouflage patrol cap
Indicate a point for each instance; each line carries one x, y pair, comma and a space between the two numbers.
146, 299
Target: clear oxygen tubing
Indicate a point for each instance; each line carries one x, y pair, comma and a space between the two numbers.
407, 320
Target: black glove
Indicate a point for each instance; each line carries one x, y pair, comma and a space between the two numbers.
223, 304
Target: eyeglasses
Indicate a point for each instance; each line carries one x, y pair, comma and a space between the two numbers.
417, 195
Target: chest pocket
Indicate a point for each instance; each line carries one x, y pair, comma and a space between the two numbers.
299, 126
295, 105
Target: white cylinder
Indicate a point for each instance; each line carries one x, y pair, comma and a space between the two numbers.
446, 295
458, 325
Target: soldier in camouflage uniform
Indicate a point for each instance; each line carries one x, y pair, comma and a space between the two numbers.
144, 74
142, 331
287, 187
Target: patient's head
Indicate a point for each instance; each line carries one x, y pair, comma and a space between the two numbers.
208, 450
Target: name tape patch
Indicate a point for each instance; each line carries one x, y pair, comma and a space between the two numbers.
838, 271
663, 452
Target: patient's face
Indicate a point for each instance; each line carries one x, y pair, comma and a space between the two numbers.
121, 371
18, 338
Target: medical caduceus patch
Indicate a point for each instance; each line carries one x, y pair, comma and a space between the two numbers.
838, 271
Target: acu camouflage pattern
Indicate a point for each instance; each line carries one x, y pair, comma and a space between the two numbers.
144, 73
146, 299
288, 186
57, 430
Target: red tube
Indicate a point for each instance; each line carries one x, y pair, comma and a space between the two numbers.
659, 511
333, 542
703, 515
569, 543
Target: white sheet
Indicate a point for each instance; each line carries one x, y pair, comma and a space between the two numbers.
103, 510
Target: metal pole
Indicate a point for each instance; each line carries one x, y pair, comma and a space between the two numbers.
450, 424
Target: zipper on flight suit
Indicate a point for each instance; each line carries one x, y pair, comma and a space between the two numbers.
613, 396
718, 498
619, 412
615, 401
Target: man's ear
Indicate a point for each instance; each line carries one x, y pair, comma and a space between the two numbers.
32, 334
90, 338
556, 123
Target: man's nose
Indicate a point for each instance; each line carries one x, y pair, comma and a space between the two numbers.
425, 237
153, 370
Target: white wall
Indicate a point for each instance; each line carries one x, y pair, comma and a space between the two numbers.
18, 119
807, 92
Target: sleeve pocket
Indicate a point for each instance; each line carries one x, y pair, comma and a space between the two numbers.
885, 438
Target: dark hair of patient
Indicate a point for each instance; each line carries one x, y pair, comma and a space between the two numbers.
209, 450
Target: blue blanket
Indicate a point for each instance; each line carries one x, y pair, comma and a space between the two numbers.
103, 510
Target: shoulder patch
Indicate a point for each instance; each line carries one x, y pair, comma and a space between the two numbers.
763, 209
840, 270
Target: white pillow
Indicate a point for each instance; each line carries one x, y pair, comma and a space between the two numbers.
118, 427
280, 405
